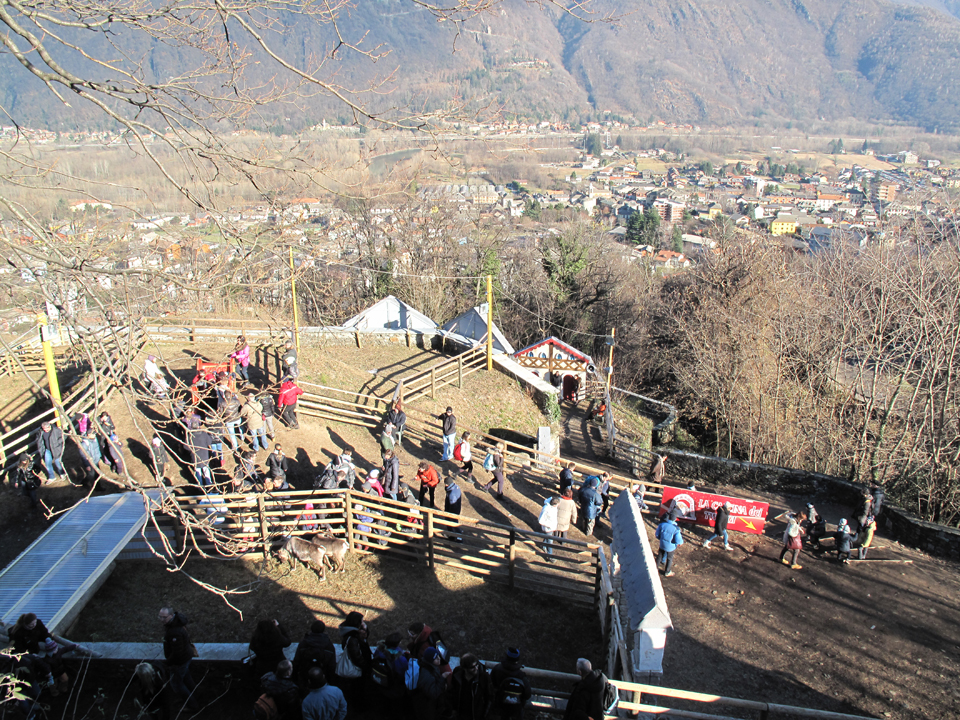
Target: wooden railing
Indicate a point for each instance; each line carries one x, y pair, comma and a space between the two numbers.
550, 364
450, 371
119, 345
231, 525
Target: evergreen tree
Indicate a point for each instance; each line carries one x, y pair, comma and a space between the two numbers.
677, 239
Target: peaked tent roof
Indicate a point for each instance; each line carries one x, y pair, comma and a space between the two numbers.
391, 314
471, 326
559, 344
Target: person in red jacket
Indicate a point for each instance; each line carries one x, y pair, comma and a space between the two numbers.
427, 475
287, 403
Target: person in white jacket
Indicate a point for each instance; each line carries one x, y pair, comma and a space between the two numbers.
548, 523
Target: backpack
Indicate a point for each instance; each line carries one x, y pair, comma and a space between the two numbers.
382, 671
265, 708
412, 676
386, 441
488, 463
611, 698
458, 452
436, 642
510, 692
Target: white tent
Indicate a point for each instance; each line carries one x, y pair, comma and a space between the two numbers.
391, 314
647, 615
471, 328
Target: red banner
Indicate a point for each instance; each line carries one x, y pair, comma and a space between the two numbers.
747, 516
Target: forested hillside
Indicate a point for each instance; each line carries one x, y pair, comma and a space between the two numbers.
693, 61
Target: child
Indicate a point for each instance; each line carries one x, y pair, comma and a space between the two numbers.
844, 538
467, 457
670, 537
793, 540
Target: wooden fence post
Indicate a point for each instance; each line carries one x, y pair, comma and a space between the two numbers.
408, 336
460, 371
262, 512
433, 383
512, 556
193, 334
348, 516
428, 531
357, 334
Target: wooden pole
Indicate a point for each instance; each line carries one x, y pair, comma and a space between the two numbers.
460, 371
348, 516
512, 556
262, 512
613, 338
50, 367
296, 314
433, 383
428, 530
489, 322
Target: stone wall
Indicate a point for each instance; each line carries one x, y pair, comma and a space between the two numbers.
898, 524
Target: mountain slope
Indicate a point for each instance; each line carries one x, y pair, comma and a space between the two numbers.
704, 61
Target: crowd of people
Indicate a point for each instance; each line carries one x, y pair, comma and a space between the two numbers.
408, 674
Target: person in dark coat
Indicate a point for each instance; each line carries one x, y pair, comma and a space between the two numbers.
844, 541
566, 476
720, 526
199, 442
390, 475
430, 697
269, 407
26, 479
315, 650
353, 640
470, 689
268, 641
50, 449
586, 699
590, 503
158, 453
280, 686
178, 652
449, 431
398, 418
277, 463
511, 686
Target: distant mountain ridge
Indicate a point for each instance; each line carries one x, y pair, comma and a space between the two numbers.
691, 61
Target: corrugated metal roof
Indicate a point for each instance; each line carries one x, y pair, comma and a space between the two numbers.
51, 575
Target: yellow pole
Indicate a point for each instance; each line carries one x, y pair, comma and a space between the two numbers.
489, 322
50, 366
613, 339
296, 315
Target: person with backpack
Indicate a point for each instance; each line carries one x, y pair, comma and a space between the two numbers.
865, 538
590, 503
229, 411
566, 476
670, 537
470, 689
496, 456
315, 650
388, 667
422, 637
427, 475
278, 686
430, 696
449, 432
792, 539
592, 697
512, 689
387, 439
462, 453
277, 463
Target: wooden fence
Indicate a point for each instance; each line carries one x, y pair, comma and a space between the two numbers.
232, 525
118, 345
447, 372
